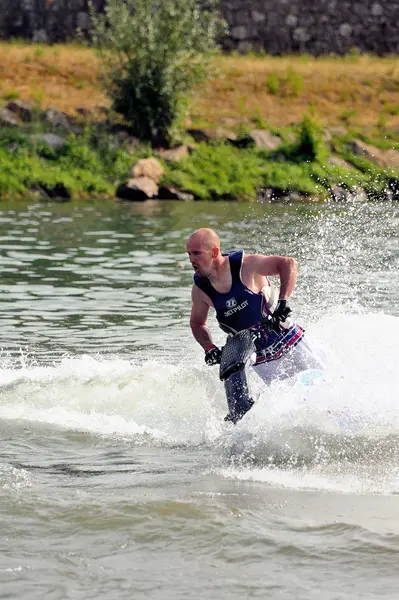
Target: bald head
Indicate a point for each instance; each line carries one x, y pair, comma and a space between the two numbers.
203, 249
206, 238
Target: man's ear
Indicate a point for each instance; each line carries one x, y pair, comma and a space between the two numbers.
215, 252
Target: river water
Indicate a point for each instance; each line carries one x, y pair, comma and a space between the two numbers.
119, 477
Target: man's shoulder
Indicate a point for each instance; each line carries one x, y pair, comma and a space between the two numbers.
198, 293
236, 254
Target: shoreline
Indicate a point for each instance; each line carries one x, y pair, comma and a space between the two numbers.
260, 131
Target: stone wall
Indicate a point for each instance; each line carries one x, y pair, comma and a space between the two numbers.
45, 20
277, 26
313, 26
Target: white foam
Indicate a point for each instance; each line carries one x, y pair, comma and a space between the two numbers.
112, 397
296, 435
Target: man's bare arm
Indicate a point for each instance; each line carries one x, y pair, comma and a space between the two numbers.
283, 266
199, 315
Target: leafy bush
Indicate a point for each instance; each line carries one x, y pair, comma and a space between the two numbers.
154, 53
309, 145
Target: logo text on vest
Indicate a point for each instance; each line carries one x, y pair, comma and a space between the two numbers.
235, 309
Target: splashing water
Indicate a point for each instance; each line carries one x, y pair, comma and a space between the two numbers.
341, 432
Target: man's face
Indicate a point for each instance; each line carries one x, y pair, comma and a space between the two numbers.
200, 256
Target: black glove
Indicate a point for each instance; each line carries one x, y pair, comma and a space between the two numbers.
279, 316
213, 356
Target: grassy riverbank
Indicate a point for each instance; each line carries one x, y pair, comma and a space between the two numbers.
356, 97
361, 91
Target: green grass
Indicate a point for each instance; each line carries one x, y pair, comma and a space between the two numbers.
221, 171
287, 85
94, 163
87, 166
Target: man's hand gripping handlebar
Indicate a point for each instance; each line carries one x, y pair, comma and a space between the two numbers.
213, 355
279, 316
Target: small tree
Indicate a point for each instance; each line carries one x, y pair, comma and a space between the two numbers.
154, 53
